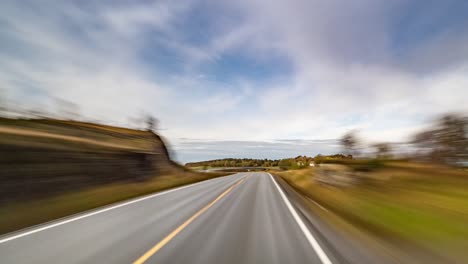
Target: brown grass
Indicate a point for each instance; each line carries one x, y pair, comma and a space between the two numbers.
420, 205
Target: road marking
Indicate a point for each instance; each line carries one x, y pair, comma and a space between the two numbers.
312, 241
105, 209
176, 231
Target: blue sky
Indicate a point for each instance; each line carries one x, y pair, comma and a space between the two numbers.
224, 77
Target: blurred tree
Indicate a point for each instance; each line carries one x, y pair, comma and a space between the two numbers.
151, 123
452, 135
447, 141
318, 160
284, 164
349, 142
293, 163
382, 150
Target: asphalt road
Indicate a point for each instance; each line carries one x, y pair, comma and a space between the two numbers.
242, 218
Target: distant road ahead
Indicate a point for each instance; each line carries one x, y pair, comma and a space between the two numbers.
242, 218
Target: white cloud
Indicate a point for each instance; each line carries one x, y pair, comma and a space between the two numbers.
346, 66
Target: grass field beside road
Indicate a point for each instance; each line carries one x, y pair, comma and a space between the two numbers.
413, 206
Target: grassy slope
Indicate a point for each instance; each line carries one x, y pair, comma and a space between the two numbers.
409, 205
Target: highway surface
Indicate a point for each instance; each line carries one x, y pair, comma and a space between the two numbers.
242, 218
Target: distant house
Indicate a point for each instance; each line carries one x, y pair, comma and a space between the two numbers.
312, 164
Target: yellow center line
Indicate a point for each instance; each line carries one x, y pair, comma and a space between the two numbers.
169, 237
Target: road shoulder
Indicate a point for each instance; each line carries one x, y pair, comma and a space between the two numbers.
346, 244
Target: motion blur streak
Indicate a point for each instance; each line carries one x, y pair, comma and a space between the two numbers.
81, 216
168, 238
115, 236
348, 121
250, 225
313, 242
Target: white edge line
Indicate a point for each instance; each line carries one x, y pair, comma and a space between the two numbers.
313, 242
135, 200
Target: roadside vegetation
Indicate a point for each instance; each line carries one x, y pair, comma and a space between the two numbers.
298, 162
231, 162
411, 205
417, 203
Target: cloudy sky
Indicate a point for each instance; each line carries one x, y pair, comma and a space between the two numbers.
244, 78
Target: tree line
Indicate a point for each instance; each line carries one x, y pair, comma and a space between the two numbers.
288, 163
233, 162
444, 141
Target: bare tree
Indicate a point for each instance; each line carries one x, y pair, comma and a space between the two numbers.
447, 141
151, 123
382, 150
349, 142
